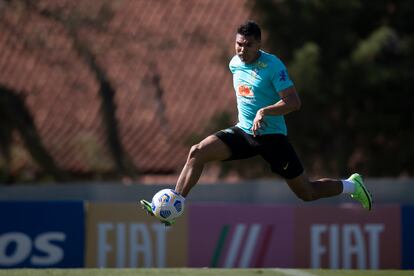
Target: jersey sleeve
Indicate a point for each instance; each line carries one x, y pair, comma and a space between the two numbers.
232, 65
281, 78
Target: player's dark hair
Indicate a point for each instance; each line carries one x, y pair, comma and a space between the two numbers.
250, 28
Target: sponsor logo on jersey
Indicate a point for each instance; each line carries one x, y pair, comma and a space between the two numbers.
244, 91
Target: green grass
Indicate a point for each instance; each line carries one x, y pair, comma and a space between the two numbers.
199, 272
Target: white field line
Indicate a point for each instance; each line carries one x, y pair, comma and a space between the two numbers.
293, 272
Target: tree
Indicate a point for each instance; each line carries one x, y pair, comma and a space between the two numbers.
352, 64
11, 105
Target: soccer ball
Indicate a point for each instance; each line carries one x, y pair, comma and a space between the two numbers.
167, 205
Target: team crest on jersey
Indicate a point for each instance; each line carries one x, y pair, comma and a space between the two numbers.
261, 65
244, 90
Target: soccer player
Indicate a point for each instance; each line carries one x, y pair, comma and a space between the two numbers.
265, 93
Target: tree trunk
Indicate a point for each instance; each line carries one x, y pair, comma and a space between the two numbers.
16, 116
124, 165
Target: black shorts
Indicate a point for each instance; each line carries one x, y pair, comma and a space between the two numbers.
274, 148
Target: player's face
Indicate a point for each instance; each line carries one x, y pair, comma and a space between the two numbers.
247, 48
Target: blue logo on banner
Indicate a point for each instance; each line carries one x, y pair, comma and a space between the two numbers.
41, 234
408, 237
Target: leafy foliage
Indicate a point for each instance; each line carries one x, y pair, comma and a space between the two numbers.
352, 63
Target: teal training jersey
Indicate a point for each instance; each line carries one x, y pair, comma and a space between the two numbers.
257, 85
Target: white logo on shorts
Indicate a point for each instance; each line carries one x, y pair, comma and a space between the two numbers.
228, 130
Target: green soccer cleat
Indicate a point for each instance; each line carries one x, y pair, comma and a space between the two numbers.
146, 206
361, 193
167, 223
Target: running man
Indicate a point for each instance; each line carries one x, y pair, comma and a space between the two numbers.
265, 93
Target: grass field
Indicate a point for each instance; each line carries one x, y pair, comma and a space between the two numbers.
199, 272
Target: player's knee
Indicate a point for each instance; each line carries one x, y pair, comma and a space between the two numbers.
195, 153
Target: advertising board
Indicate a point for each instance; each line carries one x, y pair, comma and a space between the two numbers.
122, 235
407, 237
240, 235
348, 237
41, 234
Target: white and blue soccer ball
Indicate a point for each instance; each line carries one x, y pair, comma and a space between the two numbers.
167, 205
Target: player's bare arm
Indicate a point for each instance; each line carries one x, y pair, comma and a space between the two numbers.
289, 101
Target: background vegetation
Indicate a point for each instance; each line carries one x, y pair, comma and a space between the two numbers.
351, 61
